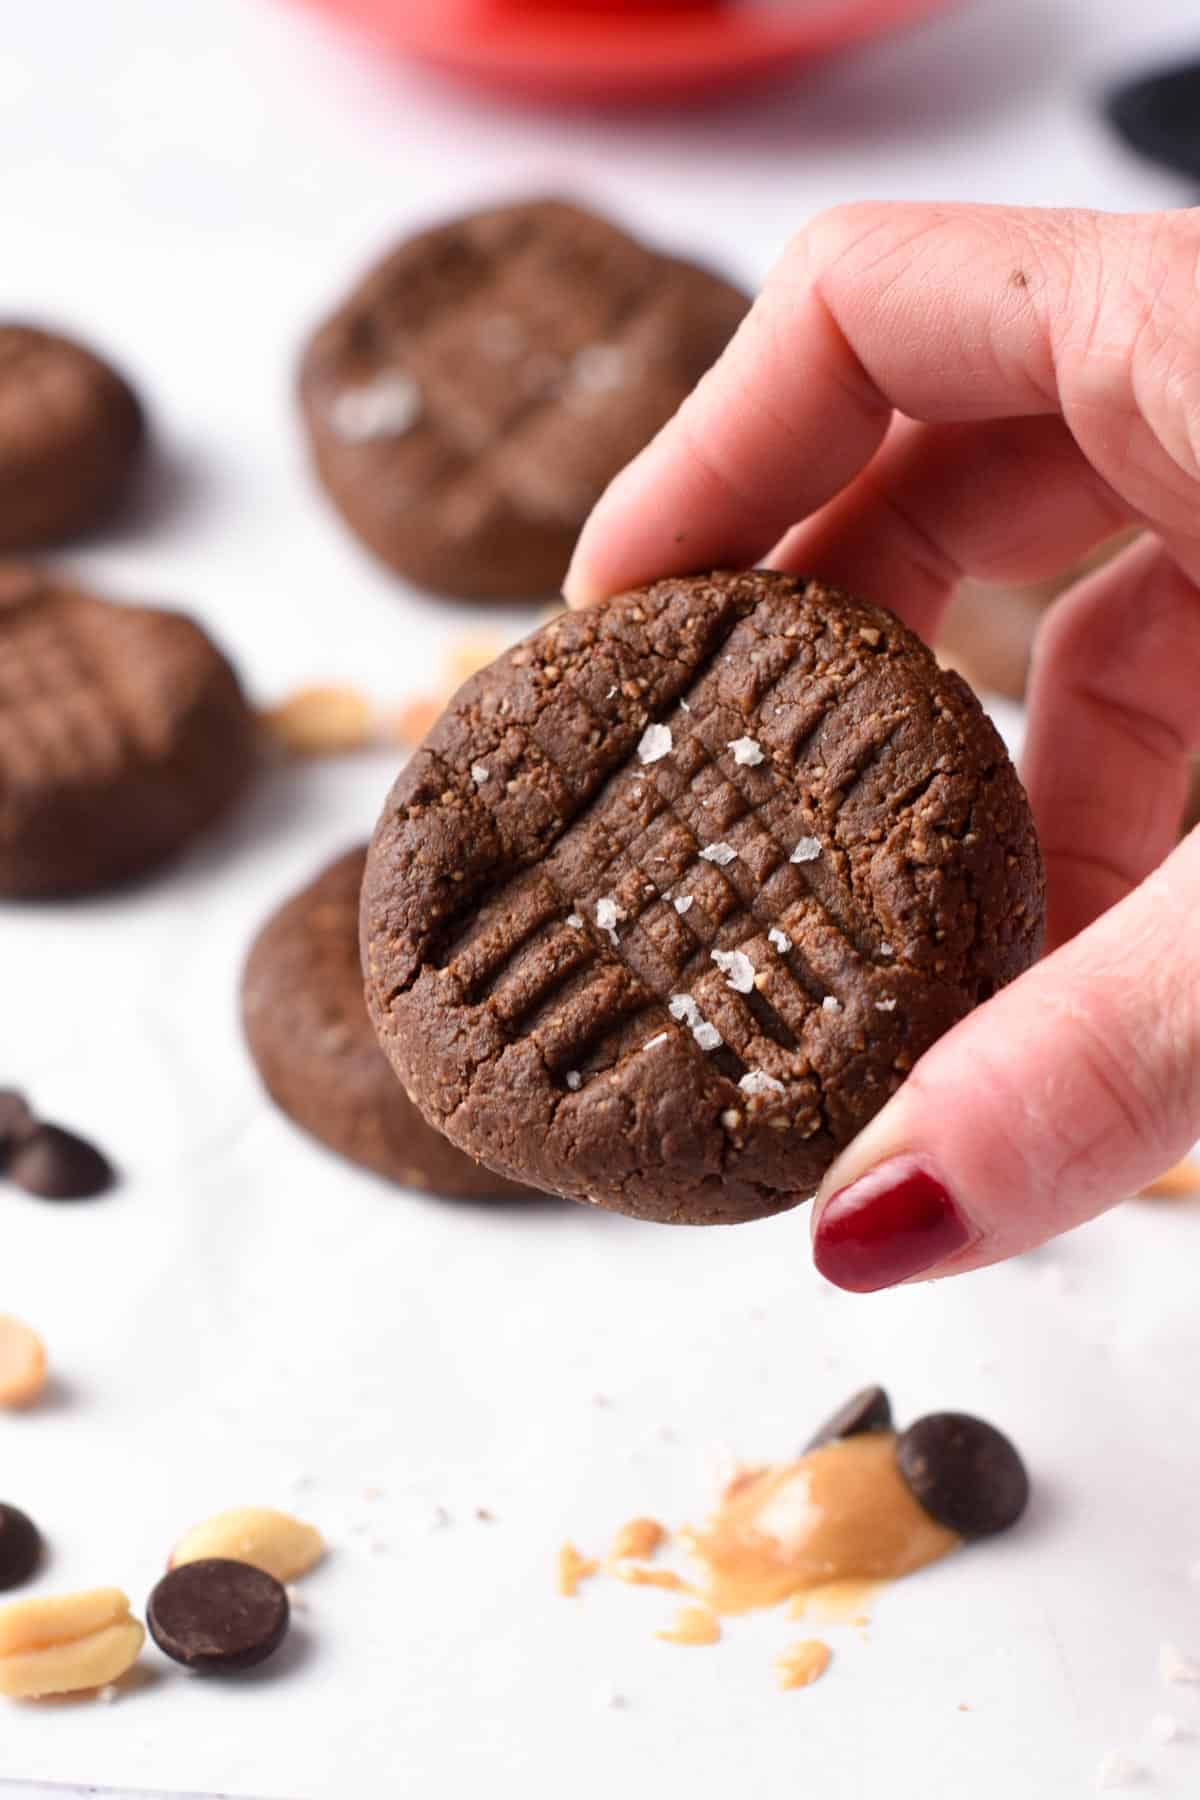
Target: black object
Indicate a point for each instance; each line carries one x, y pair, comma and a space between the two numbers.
868, 1410
20, 1546
16, 1121
964, 1473
56, 1165
1158, 115
217, 1614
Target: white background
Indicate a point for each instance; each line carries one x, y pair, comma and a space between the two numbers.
191, 184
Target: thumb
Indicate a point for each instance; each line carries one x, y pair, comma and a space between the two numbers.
1066, 1092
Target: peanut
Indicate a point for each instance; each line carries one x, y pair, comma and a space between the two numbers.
65, 1643
274, 1541
321, 721
22, 1363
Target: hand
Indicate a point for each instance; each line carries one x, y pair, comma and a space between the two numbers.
939, 391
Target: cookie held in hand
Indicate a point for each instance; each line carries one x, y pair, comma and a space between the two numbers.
314, 1047
123, 734
474, 395
676, 893
71, 433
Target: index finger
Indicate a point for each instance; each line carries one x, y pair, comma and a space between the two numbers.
943, 313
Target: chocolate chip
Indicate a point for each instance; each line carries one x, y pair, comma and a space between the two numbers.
56, 1165
218, 1614
964, 1473
20, 1546
16, 1121
868, 1410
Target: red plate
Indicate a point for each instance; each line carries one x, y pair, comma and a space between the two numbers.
622, 50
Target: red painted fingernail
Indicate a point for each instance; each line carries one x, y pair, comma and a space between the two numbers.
899, 1220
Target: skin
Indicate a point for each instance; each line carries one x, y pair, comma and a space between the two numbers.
925, 392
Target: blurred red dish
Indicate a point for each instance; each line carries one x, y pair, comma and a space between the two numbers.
623, 50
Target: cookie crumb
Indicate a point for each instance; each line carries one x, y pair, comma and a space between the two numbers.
655, 743
683, 903
1165, 1728
571, 1569
707, 1036
779, 939
757, 1081
885, 1006
480, 773
485, 1515
737, 969
831, 1004
801, 1664
693, 1625
807, 850
574, 1080
1115, 1770
721, 854
747, 752
1175, 1666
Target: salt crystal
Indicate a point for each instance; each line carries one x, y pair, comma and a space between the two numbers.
479, 773
682, 1006
1174, 1665
655, 1041
721, 854
831, 1004
885, 1006
612, 690
707, 1036
1165, 1728
656, 742
600, 368
886, 950
609, 914
737, 968
807, 850
684, 706
780, 939
386, 407
747, 753
757, 1081
1116, 1770
682, 903
575, 921
574, 1080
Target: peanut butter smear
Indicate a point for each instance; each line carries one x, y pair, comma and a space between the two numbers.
840, 1514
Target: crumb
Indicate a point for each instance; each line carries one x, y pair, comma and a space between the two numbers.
807, 850
721, 854
963, 1707
656, 742
737, 968
801, 1664
779, 939
747, 753
485, 1516
870, 634
693, 1625
571, 1570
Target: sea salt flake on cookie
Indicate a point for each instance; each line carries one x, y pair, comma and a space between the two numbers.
656, 742
480, 773
707, 1036
737, 968
757, 1081
721, 854
779, 939
386, 407
682, 903
575, 921
655, 1041
807, 850
885, 1006
574, 1080
747, 752
609, 915
682, 1006
831, 1004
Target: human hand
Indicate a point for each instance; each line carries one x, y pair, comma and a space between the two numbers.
939, 391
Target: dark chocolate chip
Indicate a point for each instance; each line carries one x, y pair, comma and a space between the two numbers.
1158, 115
20, 1546
964, 1473
56, 1165
217, 1614
868, 1410
16, 1121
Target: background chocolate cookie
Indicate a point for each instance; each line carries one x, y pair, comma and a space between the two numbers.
308, 1031
677, 892
123, 733
477, 391
71, 430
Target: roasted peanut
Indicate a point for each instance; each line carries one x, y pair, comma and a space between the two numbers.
270, 1540
65, 1643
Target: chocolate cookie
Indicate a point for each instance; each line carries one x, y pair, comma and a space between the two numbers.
476, 393
123, 733
314, 1047
676, 892
70, 433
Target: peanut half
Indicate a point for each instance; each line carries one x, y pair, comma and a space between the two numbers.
22, 1363
65, 1643
270, 1540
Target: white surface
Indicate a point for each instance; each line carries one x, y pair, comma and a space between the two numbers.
191, 184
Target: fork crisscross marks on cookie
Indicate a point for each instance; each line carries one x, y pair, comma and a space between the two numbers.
122, 732
742, 853
476, 392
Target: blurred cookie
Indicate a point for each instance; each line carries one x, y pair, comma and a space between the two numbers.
308, 1031
71, 430
123, 733
474, 395
677, 891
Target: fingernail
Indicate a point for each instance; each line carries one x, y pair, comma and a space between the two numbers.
896, 1221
